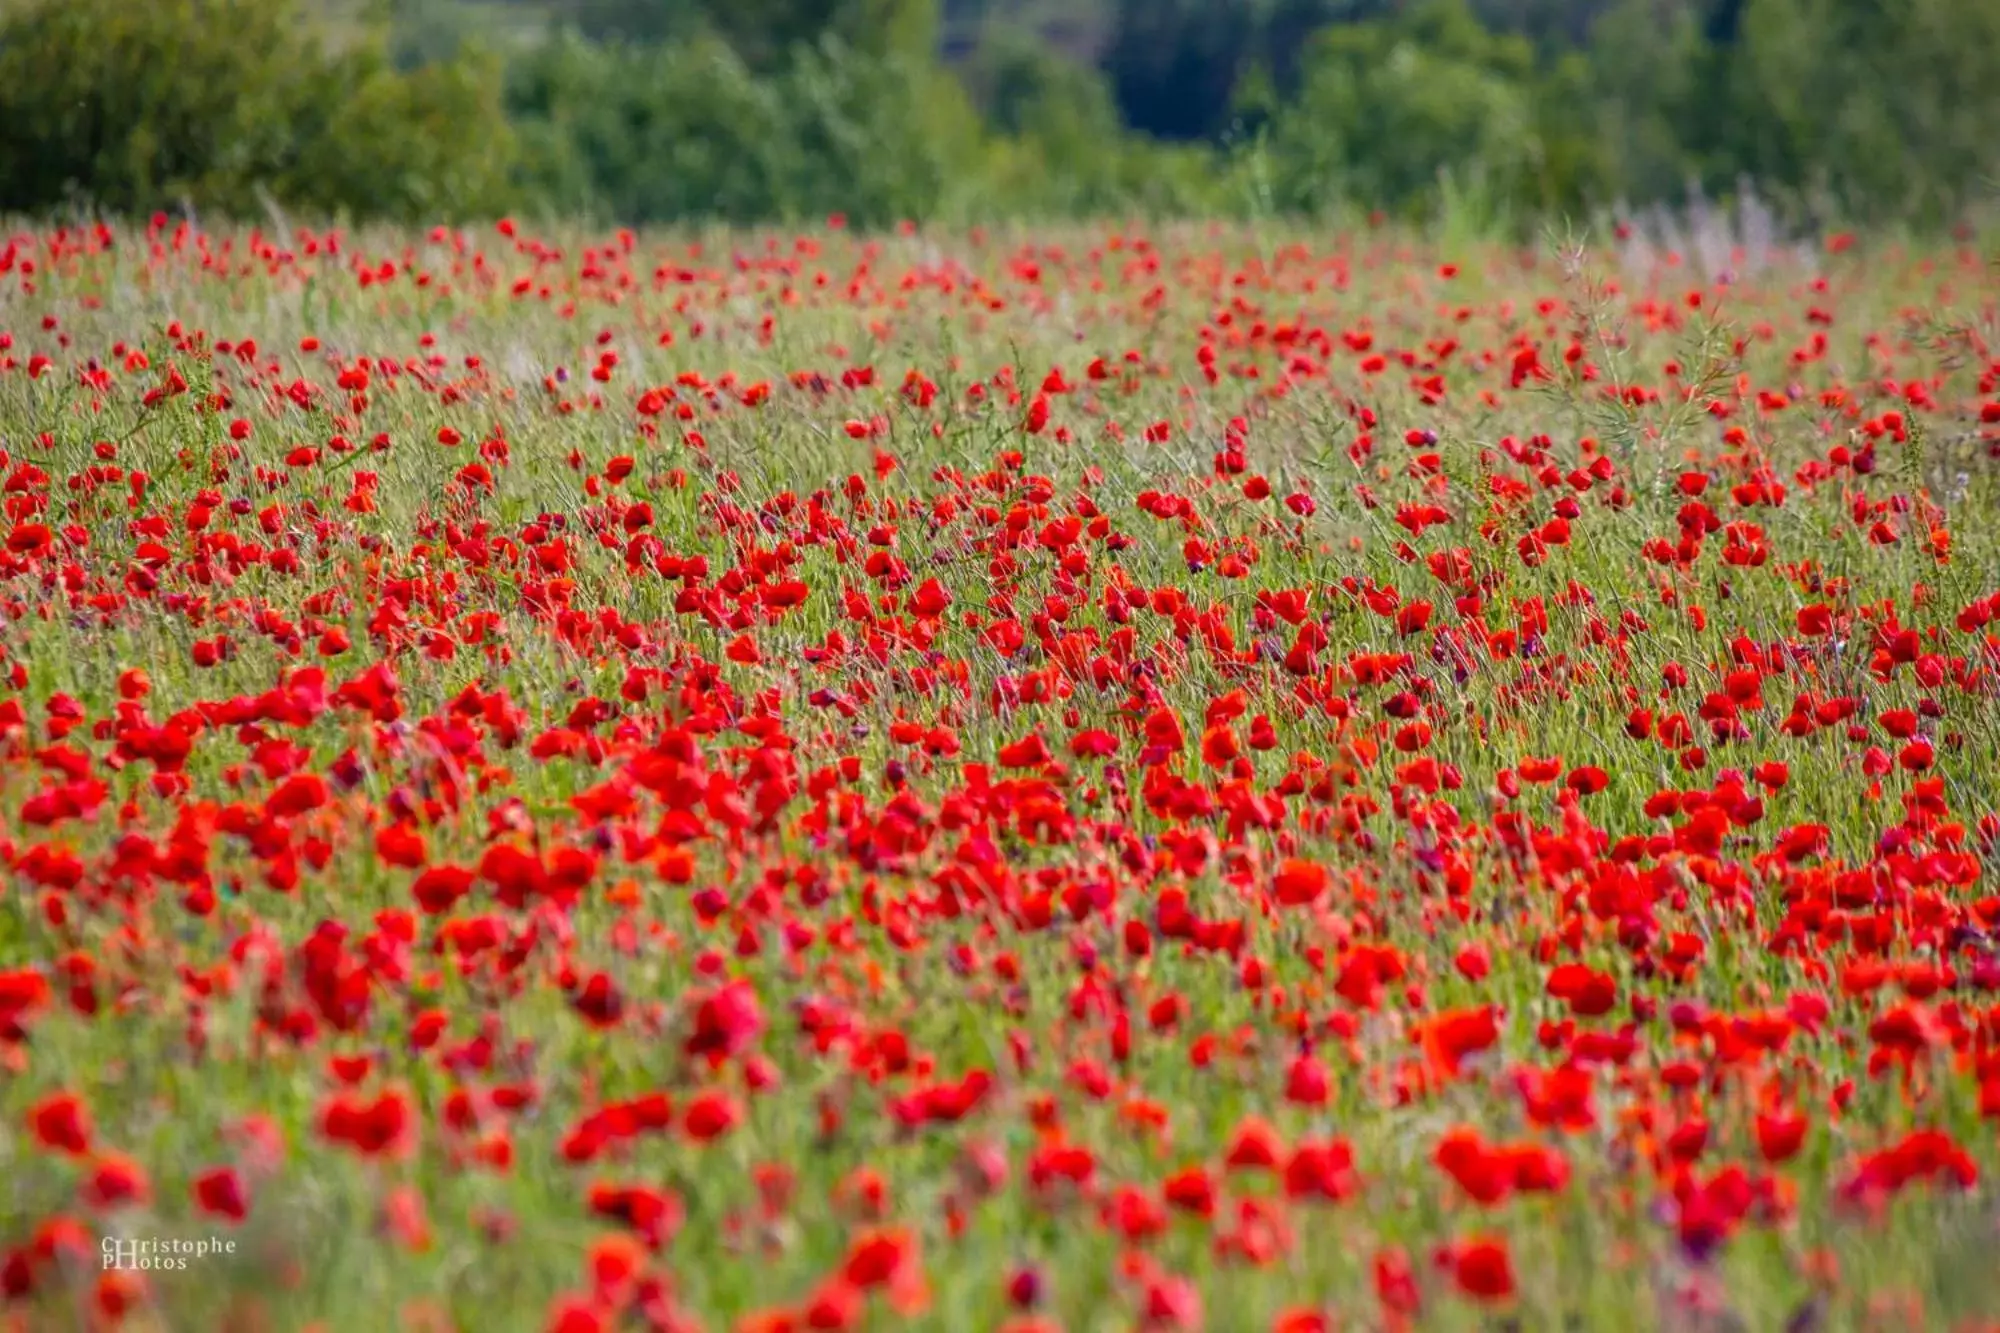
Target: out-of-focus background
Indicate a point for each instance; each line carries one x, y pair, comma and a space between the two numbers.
1494, 115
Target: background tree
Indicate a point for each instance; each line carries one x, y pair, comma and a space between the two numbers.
1496, 112
1874, 109
763, 33
1388, 108
223, 103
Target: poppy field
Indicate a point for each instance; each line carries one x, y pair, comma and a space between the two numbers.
1195, 777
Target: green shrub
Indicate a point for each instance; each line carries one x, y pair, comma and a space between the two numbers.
882, 137
1058, 147
687, 132
426, 144
1388, 109
648, 134
1885, 109
135, 107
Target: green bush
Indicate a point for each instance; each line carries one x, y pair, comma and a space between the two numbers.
646, 134
883, 137
1389, 110
135, 107
1058, 147
1879, 109
1656, 98
687, 132
764, 34
427, 144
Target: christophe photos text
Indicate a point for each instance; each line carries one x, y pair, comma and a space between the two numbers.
161, 1254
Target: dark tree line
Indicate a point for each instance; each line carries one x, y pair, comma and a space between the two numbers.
659, 110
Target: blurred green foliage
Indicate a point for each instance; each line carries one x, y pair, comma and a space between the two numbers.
1058, 147
649, 133
227, 104
763, 33
1386, 110
1503, 112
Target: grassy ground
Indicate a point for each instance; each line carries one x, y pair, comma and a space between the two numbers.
1186, 779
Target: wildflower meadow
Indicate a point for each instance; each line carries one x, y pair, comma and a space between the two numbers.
1240, 776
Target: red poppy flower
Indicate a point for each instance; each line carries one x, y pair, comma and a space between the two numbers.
219, 1193
710, 1115
1483, 1269
384, 1125
61, 1123
1300, 882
